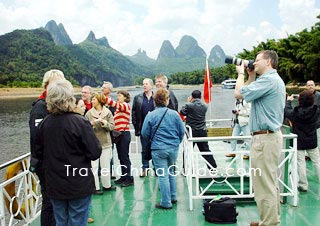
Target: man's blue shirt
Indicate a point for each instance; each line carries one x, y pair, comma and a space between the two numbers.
267, 96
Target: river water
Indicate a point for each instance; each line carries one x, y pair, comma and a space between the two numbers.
14, 117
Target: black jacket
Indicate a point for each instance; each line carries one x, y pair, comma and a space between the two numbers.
67, 144
173, 102
317, 102
304, 121
196, 114
38, 113
136, 114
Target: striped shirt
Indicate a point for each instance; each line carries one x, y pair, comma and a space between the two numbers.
121, 115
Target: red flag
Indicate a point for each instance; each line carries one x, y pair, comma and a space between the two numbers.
207, 85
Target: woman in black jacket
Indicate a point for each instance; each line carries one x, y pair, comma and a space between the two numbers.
66, 143
305, 118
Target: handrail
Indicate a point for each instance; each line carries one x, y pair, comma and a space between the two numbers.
288, 165
230, 138
18, 159
24, 201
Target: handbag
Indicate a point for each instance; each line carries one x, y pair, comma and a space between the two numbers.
221, 211
116, 136
148, 155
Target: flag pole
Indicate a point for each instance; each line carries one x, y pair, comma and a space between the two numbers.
207, 87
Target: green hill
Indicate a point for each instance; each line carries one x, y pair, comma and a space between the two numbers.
106, 63
25, 55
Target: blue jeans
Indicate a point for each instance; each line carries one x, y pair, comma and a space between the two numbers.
71, 212
236, 132
145, 163
164, 160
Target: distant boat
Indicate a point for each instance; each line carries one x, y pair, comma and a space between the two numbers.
229, 84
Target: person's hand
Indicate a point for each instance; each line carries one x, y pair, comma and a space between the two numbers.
290, 98
251, 73
240, 69
103, 122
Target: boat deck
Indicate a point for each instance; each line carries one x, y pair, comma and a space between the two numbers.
135, 205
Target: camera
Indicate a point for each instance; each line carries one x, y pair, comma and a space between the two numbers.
238, 61
234, 111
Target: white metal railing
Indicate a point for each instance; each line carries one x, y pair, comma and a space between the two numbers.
23, 205
20, 194
287, 172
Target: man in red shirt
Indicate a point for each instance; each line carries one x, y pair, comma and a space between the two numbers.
86, 94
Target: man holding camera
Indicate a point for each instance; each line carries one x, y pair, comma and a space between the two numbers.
267, 96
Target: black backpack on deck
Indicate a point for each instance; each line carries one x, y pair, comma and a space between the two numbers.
221, 211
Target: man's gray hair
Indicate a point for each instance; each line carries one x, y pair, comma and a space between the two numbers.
51, 75
149, 80
60, 97
88, 88
109, 85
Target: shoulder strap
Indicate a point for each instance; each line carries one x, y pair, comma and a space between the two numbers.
158, 125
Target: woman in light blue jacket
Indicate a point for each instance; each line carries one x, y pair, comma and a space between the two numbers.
165, 145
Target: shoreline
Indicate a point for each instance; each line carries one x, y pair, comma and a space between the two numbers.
11, 93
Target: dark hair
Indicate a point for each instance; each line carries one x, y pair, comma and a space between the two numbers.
161, 97
196, 94
306, 98
272, 55
125, 94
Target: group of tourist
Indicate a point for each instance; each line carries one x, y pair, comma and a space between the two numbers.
64, 143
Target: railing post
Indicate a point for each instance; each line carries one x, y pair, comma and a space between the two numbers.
2, 211
295, 173
286, 130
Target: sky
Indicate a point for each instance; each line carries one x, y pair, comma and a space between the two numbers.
132, 24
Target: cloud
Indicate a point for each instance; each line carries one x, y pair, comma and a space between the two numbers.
297, 15
132, 24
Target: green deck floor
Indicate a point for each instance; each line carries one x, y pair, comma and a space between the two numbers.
134, 206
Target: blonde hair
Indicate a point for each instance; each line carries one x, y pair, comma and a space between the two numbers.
60, 97
52, 75
163, 78
101, 98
